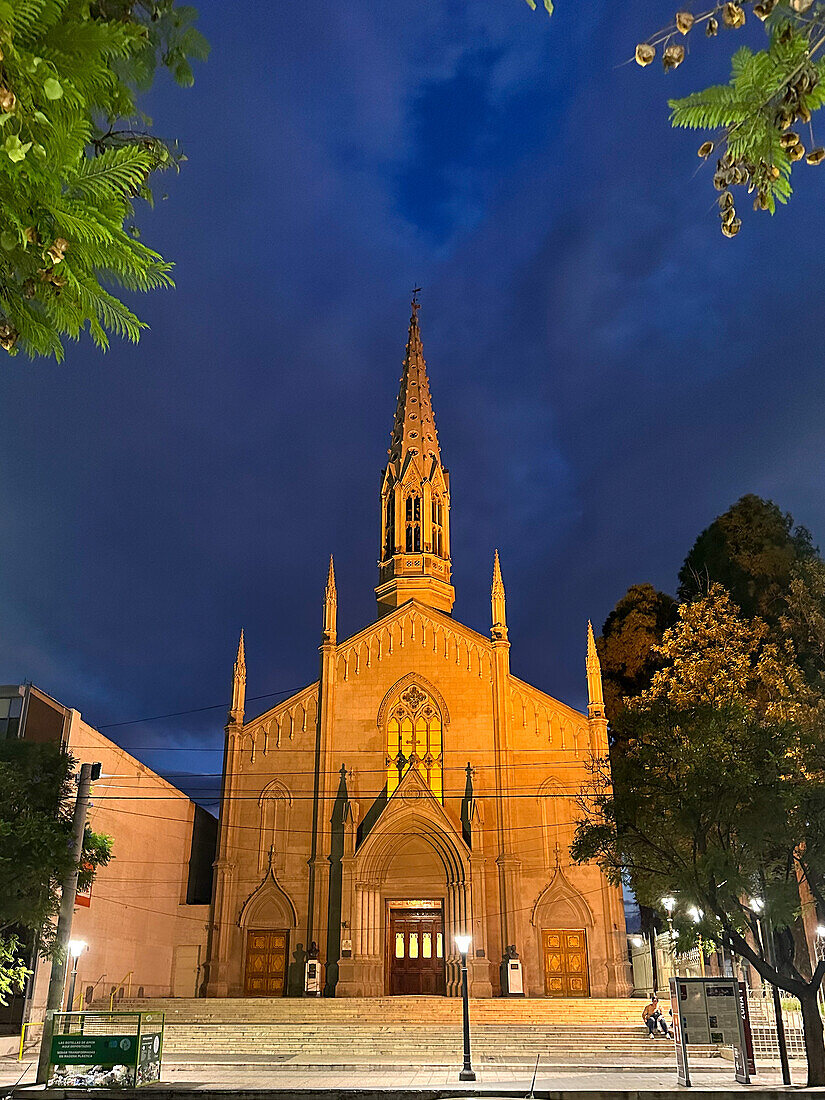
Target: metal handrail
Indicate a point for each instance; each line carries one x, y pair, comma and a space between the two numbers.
129, 975
31, 1023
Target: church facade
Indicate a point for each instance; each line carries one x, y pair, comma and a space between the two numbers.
415, 791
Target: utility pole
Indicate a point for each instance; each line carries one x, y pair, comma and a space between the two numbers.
57, 981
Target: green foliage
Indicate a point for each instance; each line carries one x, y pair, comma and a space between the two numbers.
13, 971
36, 803
635, 625
751, 550
548, 5
718, 795
74, 156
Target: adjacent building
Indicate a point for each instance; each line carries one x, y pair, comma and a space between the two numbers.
145, 919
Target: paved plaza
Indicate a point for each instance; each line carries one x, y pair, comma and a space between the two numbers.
245, 1074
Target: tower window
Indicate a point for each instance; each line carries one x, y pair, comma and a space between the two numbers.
389, 527
412, 543
438, 527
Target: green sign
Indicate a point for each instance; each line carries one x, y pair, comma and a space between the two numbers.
94, 1050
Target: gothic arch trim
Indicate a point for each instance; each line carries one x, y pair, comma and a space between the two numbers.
268, 887
560, 890
398, 687
275, 789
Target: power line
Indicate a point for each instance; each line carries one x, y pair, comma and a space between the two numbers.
196, 710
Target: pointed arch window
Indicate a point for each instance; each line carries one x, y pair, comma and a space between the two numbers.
414, 739
412, 543
389, 526
558, 822
274, 804
438, 526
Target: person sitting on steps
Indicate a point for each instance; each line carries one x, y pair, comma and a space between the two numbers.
653, 1018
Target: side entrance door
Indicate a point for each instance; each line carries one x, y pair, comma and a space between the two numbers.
416, 950
565, 962
266, 958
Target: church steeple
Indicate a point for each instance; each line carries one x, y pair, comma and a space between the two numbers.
415, 496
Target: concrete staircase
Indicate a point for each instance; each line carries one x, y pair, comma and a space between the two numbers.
409, 1031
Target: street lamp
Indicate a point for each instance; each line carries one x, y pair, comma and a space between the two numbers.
463, 942
76, 949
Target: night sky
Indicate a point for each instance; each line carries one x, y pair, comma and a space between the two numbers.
608, 372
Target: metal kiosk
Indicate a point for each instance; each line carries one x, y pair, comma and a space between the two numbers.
712, 1011
105, 1049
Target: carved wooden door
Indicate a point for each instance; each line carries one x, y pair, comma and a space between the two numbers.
565, 962
416, 952
266, 962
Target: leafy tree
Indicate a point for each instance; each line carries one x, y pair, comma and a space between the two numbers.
631, 630
13, 971
719, 797
804, 619
751, 550
74, 155
36, 804
715, 657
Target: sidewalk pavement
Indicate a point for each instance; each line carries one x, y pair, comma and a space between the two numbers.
262, 1074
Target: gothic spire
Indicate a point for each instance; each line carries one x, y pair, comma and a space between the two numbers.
595, 689
238, 686
499, 629
415, 495
330, 605
414, 429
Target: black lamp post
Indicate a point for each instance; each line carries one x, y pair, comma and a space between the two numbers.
76, 949
463, 945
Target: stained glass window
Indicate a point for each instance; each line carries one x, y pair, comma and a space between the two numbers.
414, 730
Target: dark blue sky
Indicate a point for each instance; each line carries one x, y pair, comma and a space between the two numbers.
608, 372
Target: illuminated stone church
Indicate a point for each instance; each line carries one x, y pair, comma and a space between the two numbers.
418, 789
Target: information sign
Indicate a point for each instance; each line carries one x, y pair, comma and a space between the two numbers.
711, 1010
682, 1074
94, 1050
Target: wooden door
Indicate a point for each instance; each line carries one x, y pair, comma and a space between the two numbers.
266, 960
416, 952
565, 962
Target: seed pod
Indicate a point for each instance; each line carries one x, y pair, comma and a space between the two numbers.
733, 15
705, 149
725, 200
728, 215
720, 181
712, 28
684, 21
732, 229
645, 53
763, 10
803, 114
8, 336
774, 172
673, 57
761, 202
787, 141
7, 99
800, 6
30, 234
796, 153
816, 156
